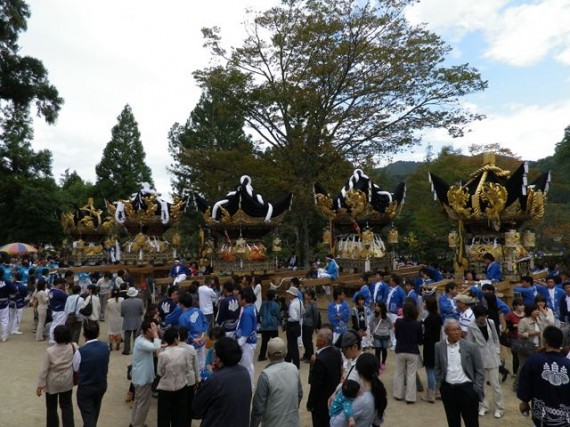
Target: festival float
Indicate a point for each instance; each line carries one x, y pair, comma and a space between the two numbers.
357, 216
493, 211
235, 228
145, 217
87, 233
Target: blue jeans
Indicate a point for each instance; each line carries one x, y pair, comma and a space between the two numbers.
430, 372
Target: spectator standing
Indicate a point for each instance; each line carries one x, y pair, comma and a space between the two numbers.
207, 297
311, 322
278, 392
93, 299
142, 373
270, 316
380, 328
432, 334
224, 400
174, 367
482, 333
104, 285
92, 363
56, 378
132, 310
114, 319
466, 316
324, 376
73, 304
193, 376
41, 301
409, 337
447, 307
544, 389
295, 314
460, 376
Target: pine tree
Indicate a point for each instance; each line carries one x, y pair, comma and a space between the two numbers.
122, 168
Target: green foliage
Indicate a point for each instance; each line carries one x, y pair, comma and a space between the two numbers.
23, 79
211, 150
325, 82
74, 191
122, 168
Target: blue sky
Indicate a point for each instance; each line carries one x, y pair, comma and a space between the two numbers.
106, 53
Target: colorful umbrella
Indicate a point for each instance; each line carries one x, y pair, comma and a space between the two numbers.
17, 248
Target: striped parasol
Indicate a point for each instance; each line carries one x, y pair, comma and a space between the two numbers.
17, 248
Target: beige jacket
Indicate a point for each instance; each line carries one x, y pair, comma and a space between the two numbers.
56, 373
527, 324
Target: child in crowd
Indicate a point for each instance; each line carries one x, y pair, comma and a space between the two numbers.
380, 327
342, 402
215, 334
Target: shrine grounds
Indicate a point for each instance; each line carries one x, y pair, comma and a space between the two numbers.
22, 355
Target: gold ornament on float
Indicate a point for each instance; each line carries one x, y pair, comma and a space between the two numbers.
529, 239
452, 239
393, 236
512, 239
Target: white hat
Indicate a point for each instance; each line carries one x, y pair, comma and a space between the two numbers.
132, 292
293, 291
276, 347
465, 299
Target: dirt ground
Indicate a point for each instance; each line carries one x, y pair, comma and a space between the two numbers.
21, 407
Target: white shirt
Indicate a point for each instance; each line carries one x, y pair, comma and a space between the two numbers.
206, 297
295, 310
455, 373
389, 298
257, 293
466, 318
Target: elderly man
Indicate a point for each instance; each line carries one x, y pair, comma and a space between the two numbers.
463, 304
460, 376
278, 392
296, 311
324, 377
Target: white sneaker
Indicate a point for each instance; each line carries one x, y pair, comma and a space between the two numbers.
17, 333
482, 412
498, 414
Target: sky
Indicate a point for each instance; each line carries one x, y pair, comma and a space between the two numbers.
104, 54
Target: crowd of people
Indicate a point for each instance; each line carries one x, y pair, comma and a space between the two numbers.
194, 351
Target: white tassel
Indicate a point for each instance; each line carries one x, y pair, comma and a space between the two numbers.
269, 212
217, 206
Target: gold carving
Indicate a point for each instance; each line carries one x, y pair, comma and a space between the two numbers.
458, 198
325, 204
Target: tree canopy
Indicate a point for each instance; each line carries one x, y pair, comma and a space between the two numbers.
122, 168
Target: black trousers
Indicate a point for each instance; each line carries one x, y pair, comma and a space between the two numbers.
66, 409
320, 417
76, 331
172, 411
89, 399
308, 341
127, 344
460, 401
293, 332
190, 392
265, 337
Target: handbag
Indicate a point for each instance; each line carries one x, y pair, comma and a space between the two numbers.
505, 339
88, 309
72, 317
523, 347
75, 374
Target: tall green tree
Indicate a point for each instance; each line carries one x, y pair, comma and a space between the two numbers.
329, 80
122, 168
23, 79
75, 192
211, 150
28, 193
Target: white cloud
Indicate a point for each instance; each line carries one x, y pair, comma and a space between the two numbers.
530, 131
104, 54
516, 34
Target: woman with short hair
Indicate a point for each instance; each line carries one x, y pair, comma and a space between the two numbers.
56, 378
